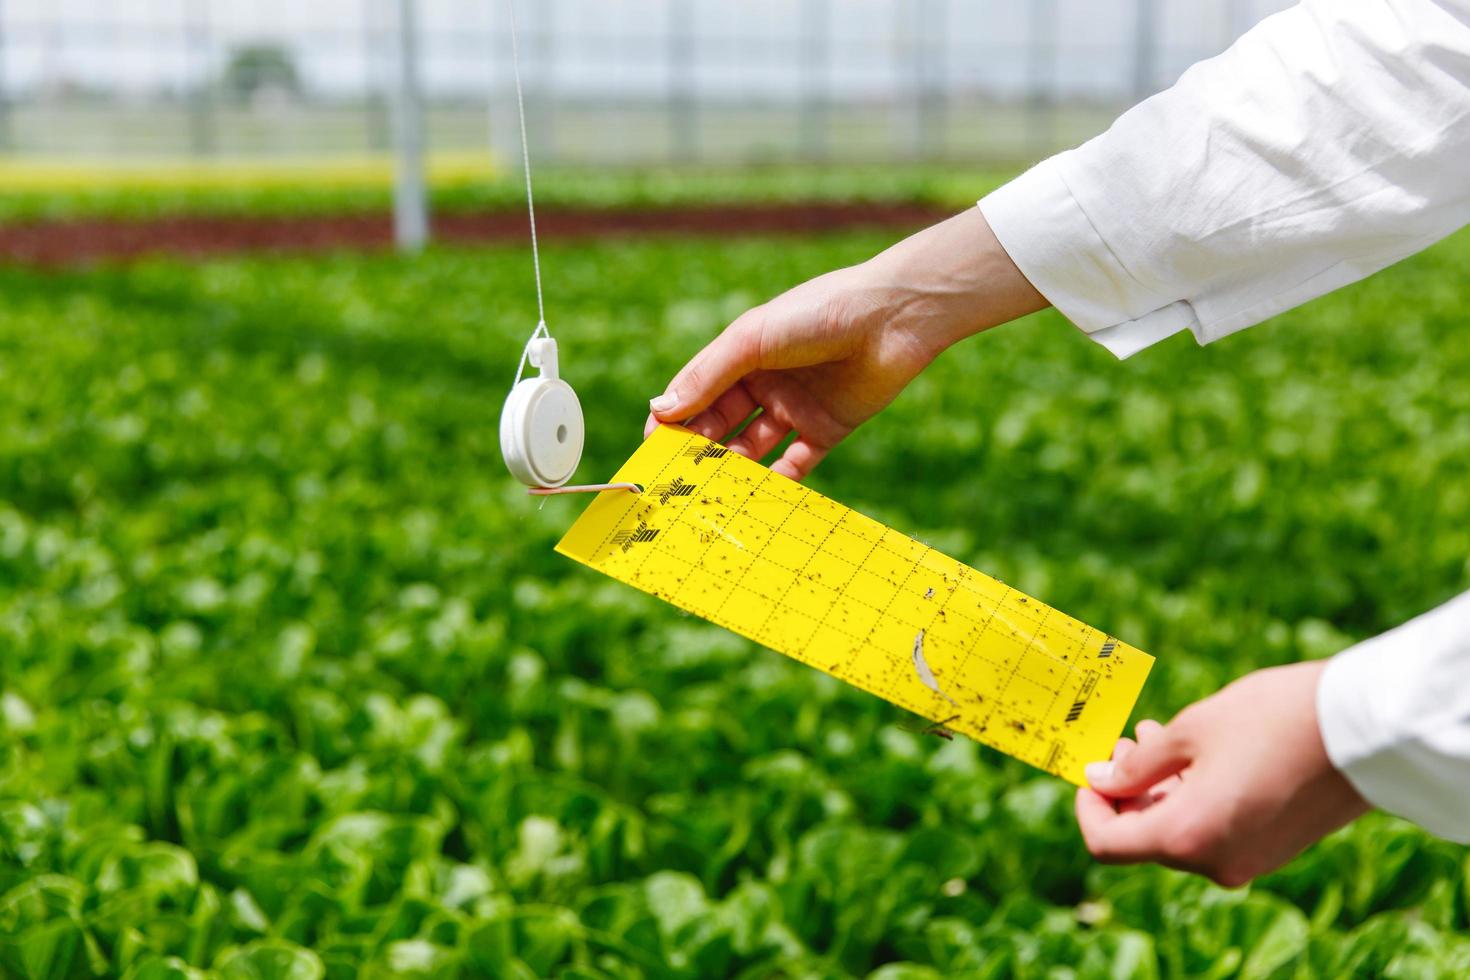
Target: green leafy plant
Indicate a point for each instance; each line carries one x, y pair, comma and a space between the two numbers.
292, 685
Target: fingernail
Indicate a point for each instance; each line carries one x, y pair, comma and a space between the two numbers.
1098, 772
663, 403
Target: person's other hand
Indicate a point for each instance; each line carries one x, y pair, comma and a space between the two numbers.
1235, 786
827, 355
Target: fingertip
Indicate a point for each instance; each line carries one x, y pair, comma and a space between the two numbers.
1124, 746
1099, 775
1146, 728
664, 405
784, 467
799, 459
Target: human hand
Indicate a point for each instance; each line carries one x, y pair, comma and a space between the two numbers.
1235, 786
827, 355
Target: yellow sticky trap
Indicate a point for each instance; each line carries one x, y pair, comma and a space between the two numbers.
728, 540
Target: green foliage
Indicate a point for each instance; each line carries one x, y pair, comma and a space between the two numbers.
567, 187
292, 686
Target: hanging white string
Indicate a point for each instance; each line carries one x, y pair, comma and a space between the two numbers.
515, 60
541, 330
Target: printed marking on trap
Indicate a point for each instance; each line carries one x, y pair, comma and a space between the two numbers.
728, 540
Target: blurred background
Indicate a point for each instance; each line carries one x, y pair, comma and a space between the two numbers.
614, 81
194, 86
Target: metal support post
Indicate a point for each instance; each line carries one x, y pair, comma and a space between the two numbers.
410, 200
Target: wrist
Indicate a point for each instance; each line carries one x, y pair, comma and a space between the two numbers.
950, 281
1333, 787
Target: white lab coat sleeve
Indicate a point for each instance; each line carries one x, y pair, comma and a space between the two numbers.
1330, 141
1394, 713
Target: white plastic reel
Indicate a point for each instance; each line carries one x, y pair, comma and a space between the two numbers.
541, 427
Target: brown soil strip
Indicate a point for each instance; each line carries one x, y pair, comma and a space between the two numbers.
83, 241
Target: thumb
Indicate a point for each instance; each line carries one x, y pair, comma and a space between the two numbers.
1139, 770
728, 358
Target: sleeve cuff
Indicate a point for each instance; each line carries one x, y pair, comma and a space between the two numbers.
1387, 712
1052, 241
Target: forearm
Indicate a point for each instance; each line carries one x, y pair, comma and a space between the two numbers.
950, 281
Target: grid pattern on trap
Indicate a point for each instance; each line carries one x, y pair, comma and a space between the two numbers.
728, 540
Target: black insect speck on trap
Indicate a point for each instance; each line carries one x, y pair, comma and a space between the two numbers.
938, 729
